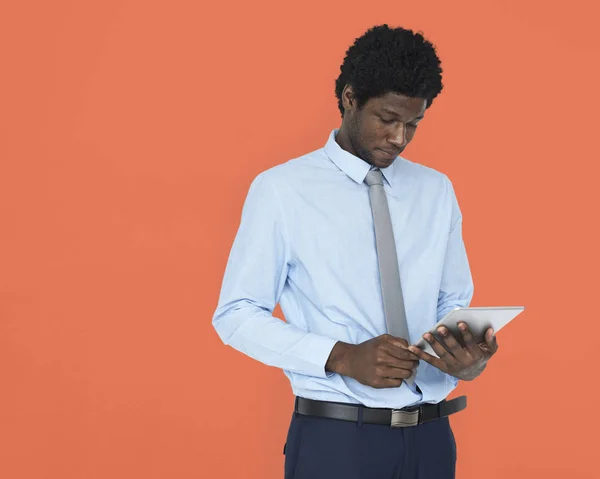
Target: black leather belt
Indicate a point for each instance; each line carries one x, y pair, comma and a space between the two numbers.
405, 417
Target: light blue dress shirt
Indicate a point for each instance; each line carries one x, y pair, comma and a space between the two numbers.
306, 240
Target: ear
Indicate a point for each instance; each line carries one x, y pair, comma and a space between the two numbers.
348, 98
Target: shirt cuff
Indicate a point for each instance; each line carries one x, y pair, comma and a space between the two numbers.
319, 349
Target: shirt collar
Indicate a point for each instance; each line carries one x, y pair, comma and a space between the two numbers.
355, 167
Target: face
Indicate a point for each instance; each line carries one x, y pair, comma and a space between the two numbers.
382, 128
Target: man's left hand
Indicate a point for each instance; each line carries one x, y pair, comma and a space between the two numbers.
463, 362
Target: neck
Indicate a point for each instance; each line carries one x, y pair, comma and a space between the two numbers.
343, 139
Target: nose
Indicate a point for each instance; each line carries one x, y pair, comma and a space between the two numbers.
398, 139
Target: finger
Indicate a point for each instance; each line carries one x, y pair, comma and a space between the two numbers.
397, 342
435, 362
402, 363
469, 341
396, 373
440, 350
491, 341
456, 349
399, 352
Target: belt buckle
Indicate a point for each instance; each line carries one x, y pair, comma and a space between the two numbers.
403, 418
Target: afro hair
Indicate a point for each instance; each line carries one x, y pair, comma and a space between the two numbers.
387, 60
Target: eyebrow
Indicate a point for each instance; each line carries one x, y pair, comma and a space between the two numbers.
392, 112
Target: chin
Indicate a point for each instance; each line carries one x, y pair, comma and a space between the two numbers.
384, 163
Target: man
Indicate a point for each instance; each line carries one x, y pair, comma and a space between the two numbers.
316, 237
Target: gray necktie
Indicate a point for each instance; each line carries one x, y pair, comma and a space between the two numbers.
393, 301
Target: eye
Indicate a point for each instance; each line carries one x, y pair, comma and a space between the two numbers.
386, 121
411, 125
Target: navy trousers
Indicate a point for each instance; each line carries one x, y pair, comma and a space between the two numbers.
320, 448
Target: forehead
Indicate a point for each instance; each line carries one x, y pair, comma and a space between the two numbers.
396, 103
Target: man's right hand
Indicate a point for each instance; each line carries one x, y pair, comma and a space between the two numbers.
381, 362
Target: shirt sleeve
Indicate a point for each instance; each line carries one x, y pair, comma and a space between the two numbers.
255, 275
456, 287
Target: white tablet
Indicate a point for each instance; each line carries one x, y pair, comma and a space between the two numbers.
479, 320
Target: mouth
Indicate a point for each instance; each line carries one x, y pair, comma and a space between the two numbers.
390, 154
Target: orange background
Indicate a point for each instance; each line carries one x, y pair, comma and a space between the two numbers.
129, 134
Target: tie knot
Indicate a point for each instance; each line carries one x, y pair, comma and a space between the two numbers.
374, 177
